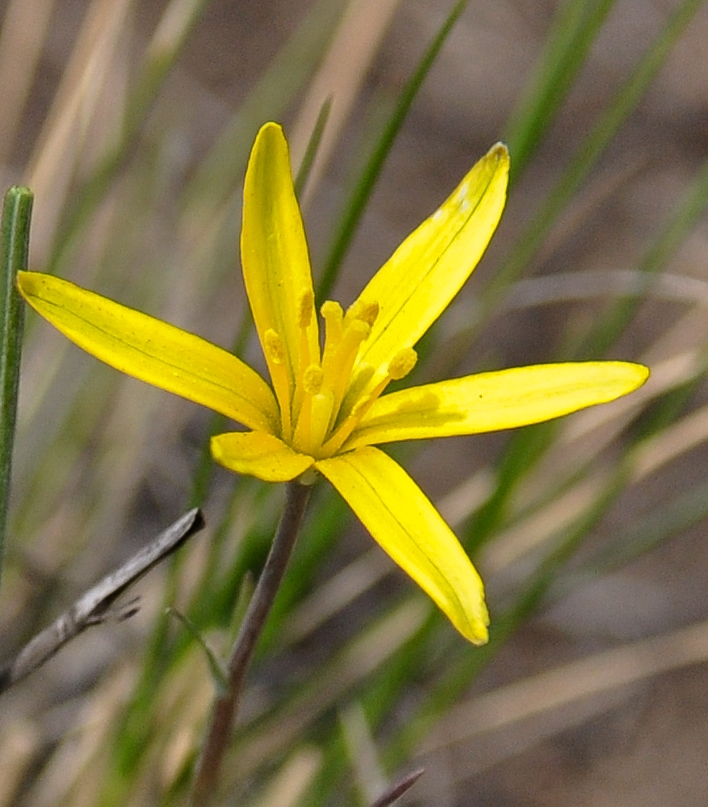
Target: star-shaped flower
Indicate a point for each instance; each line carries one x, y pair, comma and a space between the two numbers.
326, 409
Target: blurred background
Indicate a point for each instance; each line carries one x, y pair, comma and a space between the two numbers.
131, 120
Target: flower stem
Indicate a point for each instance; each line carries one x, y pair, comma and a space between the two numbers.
225, 708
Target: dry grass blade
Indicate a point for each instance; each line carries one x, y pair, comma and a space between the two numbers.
59, 146
21, 41
536, 696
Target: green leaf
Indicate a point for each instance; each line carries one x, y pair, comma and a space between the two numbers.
14, 247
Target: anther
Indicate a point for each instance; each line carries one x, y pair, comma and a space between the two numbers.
402, 363
365, 312
359, 330
273, 347
306, 308
312, 379
331, 310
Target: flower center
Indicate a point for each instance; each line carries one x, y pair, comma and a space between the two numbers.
331, 393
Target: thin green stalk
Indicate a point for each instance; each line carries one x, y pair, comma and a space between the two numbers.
14, 246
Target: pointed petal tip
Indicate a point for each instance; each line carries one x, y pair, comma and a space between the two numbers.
408, 527
478, 634
628, 376
269, 129
498, 154
500, 150
642, 372
26, 282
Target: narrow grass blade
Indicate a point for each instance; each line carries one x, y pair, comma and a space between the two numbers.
590, 152
682, 512
313, 144
364, 188
689, 212
572, 34
14, 246
528, 445
223, 166
216, 667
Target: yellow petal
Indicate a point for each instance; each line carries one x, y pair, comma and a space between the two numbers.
153, 351
492, 401
276, 266
420, 279
404, 522
259, 454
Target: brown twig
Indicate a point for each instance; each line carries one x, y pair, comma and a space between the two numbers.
224, 710
94, 606
398, 789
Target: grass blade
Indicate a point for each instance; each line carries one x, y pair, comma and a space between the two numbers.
364, 188
14, 243
590, 152
572, 34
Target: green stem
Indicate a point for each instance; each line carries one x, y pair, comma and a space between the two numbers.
14, 247
225, 707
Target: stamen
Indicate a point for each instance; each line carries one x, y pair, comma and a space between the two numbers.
360, 379
313, 423
402, 363
359, 398
312, 379
331, 310
273, 347
308, 350
366, 312
338, 371
352, 408
321, 414
306, 309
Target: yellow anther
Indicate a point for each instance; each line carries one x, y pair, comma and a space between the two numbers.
357, 331
306, 308
273, 347
402, 363
365, 312
331, 310
312, 379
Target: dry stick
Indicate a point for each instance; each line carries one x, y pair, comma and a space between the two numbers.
224, 711
398, 789
94, 606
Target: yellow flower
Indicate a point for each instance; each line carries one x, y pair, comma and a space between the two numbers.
326, 411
